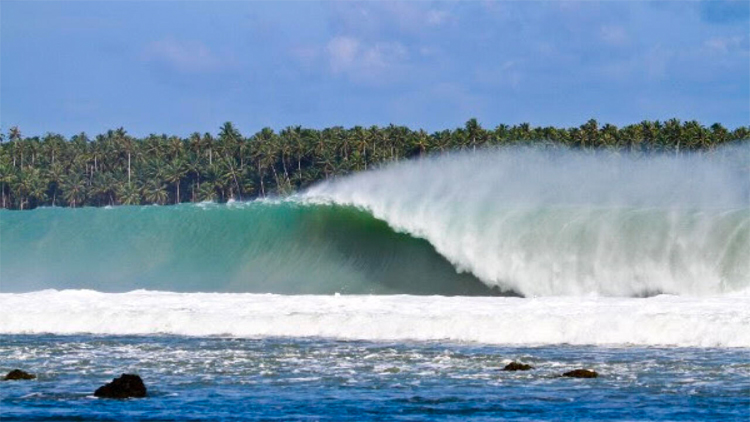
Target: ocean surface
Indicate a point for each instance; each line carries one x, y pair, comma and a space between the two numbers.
397, 294
271, 378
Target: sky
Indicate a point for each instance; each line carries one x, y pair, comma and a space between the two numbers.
184, 67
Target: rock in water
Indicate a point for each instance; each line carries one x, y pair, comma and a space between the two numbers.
18, 374
515, 366
128, 385
581, 373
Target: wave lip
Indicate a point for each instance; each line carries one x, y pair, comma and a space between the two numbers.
657, 321
565, 223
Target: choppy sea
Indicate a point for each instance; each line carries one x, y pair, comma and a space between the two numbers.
232, 379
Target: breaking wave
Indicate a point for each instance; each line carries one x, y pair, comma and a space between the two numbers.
520, 222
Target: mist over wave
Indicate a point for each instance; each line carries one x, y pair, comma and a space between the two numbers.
561, 222
519, 221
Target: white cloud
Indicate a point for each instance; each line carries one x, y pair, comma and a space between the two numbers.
370, 20
362, 62
437, 17
343, 52
184, 56
383, 55
723, 45
507, 75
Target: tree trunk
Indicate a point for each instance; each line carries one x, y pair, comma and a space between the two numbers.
283, 164
262, 186
275, 176
237, 185
299, 169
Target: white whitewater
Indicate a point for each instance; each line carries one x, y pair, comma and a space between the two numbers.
557, 223
657, 321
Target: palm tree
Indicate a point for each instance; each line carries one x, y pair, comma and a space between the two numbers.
38, 187
129, 194
362, 139
117, 168
53, 144
176, 147
672, 135
608, 137
215, 180
104, 185
126, 145
719, 134
74, 189
207, 192
173, 173
194, 166
232, 174
155, 192
474, 132
27, 187
23, 187
55, 174
422, 142
14, 134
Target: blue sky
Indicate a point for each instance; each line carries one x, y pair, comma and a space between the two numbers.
180, 67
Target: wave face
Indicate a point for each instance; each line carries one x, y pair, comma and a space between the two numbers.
529, 222
661, 320
261, 246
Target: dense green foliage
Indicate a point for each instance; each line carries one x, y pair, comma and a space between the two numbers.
115, 168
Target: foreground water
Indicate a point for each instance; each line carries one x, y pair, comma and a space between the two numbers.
211, 356
213, 378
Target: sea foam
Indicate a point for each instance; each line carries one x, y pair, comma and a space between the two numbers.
657, 321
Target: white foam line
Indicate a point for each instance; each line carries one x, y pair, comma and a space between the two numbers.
662, 320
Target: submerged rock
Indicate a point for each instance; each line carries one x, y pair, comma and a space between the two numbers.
18, 374
581, 373
516, 366
128, 385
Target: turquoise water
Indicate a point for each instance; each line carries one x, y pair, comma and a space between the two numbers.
210, 378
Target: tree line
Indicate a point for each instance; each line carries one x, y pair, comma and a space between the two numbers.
115, 168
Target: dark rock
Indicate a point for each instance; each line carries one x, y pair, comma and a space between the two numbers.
515, 366
581, 373
18, 374
128, 385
